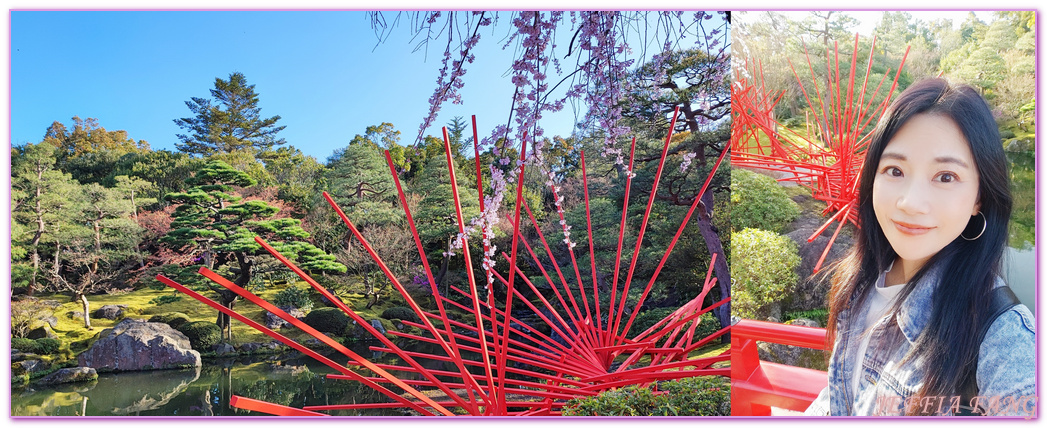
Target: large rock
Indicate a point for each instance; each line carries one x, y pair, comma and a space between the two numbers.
377, 325
42, 332
223, 349
28, 367
109, 312
70, 375
274, 322
811, 291
138, 345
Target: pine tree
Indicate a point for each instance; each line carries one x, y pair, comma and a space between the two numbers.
230, 121
210, 220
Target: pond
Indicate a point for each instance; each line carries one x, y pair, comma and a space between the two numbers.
1020, 256
290, 380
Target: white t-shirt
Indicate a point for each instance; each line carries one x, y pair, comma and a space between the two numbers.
879, 302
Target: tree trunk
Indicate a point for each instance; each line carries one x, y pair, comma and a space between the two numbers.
720, 268
40, 229
87, 310
691, 119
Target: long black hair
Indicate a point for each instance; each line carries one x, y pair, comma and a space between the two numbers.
968, 269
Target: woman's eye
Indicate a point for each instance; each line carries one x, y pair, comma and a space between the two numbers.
892, 171
947, 177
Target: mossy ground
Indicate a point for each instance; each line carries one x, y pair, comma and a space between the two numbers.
141, 305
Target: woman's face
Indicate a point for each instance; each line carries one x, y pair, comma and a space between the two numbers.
926, 188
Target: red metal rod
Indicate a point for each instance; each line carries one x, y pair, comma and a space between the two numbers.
621, 236
469, 268
512, 268
592, 253
287, 341
331, 297
672, 244
643, 224
272, 409
579, 337
450, 349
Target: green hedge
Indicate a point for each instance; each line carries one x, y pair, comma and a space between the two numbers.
400, 313
202, 334
173, 319
43, 346
762, 271
698, 396
327, 320
759, 202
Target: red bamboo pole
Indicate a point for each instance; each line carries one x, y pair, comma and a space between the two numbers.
621, 236
287, 341
592, 253
469, 272
643, 224
451, 348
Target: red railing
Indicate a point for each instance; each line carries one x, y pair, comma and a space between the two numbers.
757, 385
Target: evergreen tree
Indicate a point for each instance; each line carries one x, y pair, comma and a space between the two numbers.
210, 220
92, 241
230, 121
37, 191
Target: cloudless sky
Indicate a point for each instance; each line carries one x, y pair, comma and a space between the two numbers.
321, 71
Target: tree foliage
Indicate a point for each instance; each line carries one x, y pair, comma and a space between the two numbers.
214, 223
230, 120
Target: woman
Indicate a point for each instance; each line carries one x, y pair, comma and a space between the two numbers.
909, 303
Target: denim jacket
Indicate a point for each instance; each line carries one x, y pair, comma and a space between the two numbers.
1005, 373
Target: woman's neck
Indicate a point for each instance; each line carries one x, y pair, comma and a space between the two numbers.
902, 271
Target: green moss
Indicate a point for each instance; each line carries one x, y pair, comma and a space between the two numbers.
173, 319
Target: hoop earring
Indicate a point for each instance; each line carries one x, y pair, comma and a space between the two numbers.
985, 223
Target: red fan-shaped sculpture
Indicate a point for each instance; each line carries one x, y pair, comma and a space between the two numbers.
829, 166
503, 365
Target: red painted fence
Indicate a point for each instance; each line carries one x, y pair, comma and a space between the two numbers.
757, 385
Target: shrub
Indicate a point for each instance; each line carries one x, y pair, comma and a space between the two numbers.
173, 319
165, 299
699, 396
25, 345
202, 334
47, 346
758, 202
26, 314
294, 296
400, 313
762, 271
44, 346
327, 320
819, 315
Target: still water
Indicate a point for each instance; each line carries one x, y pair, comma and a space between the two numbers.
203, 391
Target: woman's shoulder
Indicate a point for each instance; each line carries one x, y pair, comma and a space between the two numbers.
1007, 358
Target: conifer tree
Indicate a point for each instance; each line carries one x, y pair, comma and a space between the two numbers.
211, 221
231, 120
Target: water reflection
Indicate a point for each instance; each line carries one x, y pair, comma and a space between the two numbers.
1023, 190
290, 380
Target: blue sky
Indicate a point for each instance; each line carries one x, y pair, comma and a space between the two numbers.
320, 71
